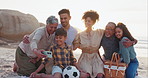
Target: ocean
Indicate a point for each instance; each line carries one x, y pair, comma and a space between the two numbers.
141, 47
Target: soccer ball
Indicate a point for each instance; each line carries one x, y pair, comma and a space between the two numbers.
71, 72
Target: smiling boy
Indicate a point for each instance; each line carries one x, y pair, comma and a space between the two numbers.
62, 55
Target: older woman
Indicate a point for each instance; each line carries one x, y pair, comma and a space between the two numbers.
39, 40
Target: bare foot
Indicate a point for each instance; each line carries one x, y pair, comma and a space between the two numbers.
15, 67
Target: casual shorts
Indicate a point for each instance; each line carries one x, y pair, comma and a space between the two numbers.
56, 69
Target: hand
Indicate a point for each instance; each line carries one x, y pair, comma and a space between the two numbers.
33, 60
127, 43
33, 74
39, 53
26, 39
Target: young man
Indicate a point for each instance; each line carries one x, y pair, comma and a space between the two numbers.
62, 56
40, 39
64, 19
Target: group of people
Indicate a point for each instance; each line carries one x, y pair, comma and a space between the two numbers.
62, 39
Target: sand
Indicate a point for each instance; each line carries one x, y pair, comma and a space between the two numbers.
7, 58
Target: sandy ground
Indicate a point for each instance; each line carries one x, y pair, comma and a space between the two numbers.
7, 57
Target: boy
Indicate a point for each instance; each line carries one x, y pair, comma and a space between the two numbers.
62, 56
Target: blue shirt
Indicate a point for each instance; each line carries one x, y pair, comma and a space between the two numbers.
126, 53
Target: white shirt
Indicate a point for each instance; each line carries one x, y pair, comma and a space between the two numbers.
39, 39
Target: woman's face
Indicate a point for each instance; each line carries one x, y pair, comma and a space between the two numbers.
118, 33
88, 22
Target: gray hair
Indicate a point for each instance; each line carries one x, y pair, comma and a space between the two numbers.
51, 20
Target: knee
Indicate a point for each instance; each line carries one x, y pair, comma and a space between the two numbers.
84, 75
130, 75
57, 75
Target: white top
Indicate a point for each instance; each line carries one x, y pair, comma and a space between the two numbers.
39, 39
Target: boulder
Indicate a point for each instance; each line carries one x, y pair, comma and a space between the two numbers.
14, 24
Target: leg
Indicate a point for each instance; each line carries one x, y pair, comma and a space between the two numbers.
132, 68
56, 72
84, 75
99, 75
42, 75
25, 67
57, 75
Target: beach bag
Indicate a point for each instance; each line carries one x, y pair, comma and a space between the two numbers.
114, 68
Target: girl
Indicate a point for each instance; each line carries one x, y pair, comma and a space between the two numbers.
128, 54
88, 41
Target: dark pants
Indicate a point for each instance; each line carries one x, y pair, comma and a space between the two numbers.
25, 67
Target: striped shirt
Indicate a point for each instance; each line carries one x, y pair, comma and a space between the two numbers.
63, 56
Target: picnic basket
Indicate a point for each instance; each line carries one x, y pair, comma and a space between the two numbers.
114, 68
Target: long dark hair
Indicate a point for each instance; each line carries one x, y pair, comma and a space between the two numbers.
126, 32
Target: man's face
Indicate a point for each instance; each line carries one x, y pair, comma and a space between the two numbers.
51, 28
109, 30
64, 19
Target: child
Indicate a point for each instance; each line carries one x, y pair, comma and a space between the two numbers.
110, 43
62, 56
90, 63
128, 54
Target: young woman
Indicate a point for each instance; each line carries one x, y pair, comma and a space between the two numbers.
89, 63
128, 54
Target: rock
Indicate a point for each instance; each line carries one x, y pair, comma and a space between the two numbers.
42, 24
14, 24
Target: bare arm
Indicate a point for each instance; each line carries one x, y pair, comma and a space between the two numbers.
38, 70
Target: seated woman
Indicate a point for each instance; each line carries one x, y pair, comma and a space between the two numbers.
89, 63
128, 54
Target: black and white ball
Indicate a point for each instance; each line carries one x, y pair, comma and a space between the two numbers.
71, 72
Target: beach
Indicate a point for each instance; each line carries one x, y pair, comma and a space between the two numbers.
7, 59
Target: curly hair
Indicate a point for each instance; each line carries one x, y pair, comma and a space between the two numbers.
92, 14
126, 32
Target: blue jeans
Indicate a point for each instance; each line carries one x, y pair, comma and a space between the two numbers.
132, 68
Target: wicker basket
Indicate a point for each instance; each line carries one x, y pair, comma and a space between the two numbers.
114, 68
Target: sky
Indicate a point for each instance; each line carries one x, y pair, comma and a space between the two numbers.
133, 13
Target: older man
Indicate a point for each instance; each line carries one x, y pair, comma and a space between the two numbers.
110, 43
39, 40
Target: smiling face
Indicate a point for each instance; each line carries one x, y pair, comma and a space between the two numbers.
109, 30
118, 33
64, 19
60, 40
89, 22
51, 28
